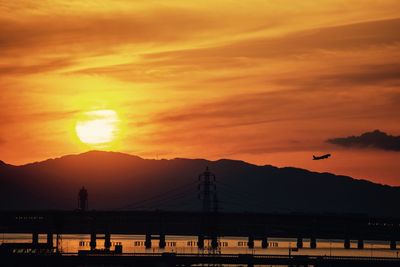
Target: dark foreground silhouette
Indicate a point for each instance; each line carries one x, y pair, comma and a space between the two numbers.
121, 181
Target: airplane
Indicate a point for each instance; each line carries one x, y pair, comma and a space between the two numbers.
321, 157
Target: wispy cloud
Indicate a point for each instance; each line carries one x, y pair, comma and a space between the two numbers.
43, 32
264, 63
344, 37
42, 67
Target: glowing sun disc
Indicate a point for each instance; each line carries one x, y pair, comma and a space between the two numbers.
97, 127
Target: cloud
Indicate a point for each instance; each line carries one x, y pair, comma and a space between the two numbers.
39, 117
44, 66
252, 123
375, 139
94, 33
353, 54
370, 74
343, 37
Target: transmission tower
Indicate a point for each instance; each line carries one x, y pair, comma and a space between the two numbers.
83, 199
208, 191
209, 197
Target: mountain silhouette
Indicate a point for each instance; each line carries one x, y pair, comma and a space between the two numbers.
124, 182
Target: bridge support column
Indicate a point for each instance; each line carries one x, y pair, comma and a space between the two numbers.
264, 242
50, 239
58, 242
313, 242
299, 242
147, 242
35, 238
360, 244
214, 242
92, 241
162, 242
250, 243
107, 241
347, 243
200, 242
393, 244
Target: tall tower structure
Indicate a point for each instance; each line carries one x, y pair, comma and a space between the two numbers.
83, 199
209, 197
208, 191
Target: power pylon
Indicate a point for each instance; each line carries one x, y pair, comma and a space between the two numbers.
210, 205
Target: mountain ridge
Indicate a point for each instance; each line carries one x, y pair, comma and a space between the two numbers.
101, 152
117, 179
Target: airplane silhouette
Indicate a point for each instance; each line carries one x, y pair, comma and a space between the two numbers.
321, 157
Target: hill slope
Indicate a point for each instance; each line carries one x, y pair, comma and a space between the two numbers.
116, 180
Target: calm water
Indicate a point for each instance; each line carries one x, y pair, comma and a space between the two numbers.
187, 244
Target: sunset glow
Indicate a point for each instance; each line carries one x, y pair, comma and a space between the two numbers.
266, 82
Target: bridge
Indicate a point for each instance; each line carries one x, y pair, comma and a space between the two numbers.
208, 224
158, 224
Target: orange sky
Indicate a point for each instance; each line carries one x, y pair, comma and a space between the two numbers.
263, 81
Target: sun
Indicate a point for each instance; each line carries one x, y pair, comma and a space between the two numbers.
97, 127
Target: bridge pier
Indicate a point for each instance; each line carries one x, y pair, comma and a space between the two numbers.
299, 242
347, 243
35, 238
250, 243
360, 244
313, 243
50, 239
162, 243
264, 242
214, 242
393, 244
200, 242
92, 241
147, 242
107, 241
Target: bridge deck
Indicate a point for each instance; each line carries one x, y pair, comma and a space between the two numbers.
285, 225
